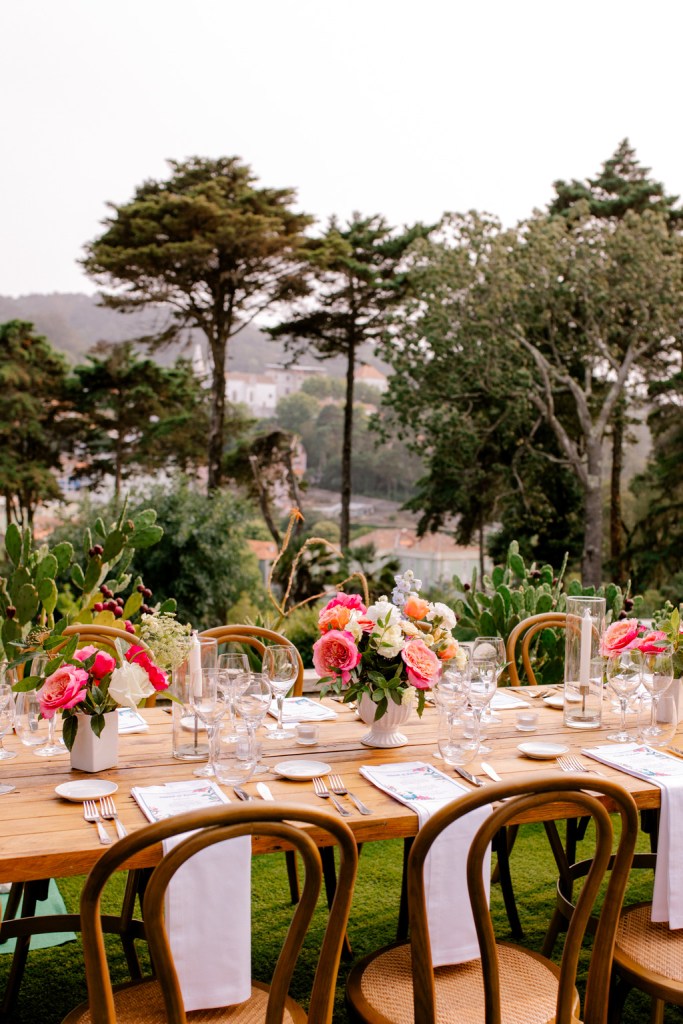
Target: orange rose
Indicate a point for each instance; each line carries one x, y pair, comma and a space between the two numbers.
446, 653
333, 618
415, 607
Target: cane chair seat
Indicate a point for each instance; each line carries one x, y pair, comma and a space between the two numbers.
144, 1004
648, 955
507, 984
386, 989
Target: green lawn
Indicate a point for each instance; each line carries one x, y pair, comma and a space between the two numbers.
54, 982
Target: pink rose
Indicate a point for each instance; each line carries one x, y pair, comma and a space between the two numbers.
63, 689
335, 653
102, 664
620, 636
351, 601
654, 642
422, 665
139, 656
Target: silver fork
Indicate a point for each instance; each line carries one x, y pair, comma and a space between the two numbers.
532, 692
108, 811
571, 763
90, 813
322, 791
338, 787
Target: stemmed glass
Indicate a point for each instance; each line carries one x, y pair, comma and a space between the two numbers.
280, 667
624, 675
233, 675
490, 648
7, 712
252, 704
657, 675
483, 684
206, 700
30, 721
451, 690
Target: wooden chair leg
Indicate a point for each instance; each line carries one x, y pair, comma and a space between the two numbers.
402, 924
292, 876
500, 846
330, 879
31, 892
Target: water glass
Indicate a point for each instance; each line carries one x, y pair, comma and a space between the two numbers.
280, 668
458, 737
483, 685
7, 713
233, 675
252, 705
624, 675
206, 700
236, 758
657, 674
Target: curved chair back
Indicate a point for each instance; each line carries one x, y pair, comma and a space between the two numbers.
527, 630
521, 797
258, 639
205, 828
103, 635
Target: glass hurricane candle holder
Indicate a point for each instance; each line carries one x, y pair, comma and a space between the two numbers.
583, 662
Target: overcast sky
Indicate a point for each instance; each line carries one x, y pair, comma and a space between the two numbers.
384, 106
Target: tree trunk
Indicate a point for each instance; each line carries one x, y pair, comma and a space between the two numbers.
481, 548
217, 424
264, 500
293, 485
616, 530
591, 561
344, 523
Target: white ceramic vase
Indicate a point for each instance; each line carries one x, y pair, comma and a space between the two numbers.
385, 732
91, 753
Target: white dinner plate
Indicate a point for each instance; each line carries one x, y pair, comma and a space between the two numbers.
301, 770
542, 751
85, 789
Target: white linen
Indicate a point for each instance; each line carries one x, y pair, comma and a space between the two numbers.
667, 772
208, 903
302, 709
502, 700
425, 789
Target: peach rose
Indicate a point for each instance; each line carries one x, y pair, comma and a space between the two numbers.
654, 642
422, 665
102, 664
65, 688
333, 617
336, 654
448, 652
620, 636
416, 608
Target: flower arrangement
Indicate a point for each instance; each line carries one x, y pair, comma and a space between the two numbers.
92, 682
631, 635
391, 650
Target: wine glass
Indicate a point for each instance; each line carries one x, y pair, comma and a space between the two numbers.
252, 705
280, 667
624, 675
458, 737
235, 758
206, 700
233, 675
657, 674
490, 648
7, 712
483, 685
451, 689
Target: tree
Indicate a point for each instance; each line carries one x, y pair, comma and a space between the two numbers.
34, 426
360, 275
211, 249
136, 414
623, 185
563, 320
264, 465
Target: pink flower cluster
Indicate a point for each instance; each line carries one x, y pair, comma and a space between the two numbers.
629, 635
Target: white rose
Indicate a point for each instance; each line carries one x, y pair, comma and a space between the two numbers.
129, 685
442, 612
353, 626
408, 695
410, 629
389, 641
382, 611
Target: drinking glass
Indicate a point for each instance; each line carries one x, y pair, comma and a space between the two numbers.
623, 675
657, 675
458, 737
233, 675
280, 668
483, 685
490, 648
206, 700
452, 687
7, 711
252, 706
235, 758
32, 728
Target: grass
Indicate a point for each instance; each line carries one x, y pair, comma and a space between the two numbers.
54, 981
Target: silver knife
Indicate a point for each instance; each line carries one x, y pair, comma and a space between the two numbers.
467, 775
241, 793
491, 772
263, 791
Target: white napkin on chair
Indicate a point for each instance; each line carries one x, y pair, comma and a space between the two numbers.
425, 789
208, 903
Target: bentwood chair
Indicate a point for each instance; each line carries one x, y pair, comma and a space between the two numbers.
159, 999
525, 631
647, 956
507, 984
19, 920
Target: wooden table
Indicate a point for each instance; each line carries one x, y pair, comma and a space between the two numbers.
46, 837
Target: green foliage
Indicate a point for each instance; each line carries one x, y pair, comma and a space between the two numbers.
301, 627
215, 248
514, 591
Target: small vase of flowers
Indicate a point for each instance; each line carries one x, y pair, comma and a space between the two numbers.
385, 656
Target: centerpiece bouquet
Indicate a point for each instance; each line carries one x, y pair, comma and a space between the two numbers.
393, 651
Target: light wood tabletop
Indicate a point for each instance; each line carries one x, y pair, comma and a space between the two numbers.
43, 836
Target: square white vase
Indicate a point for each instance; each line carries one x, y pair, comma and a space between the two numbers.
91, 753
